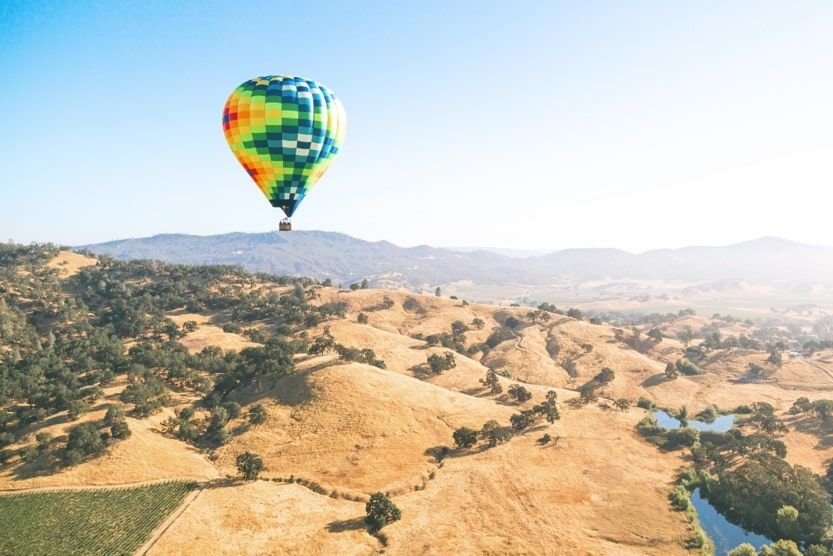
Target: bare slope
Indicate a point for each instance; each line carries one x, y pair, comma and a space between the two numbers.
354, 428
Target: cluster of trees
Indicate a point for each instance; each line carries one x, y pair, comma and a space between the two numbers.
548, 409
746, 477
213, 430
363, 355
782, 547
438, 363
715, 340
90, 439
755, 494
821, 409
386, 303
362, 286
520, 393
636, 341
493, 433
683, 366
62, 342
588, 392
455, 340
491, 381
325, 343
412, 305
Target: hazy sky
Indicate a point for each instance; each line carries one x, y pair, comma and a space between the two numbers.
518, 124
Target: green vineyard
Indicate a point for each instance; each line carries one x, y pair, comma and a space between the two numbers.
95, 521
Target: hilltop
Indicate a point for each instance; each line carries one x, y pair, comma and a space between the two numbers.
191, 353
346, 259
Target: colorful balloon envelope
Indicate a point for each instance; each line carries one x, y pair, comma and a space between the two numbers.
285, 131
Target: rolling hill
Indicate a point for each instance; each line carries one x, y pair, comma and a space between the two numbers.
336, 429
345, 259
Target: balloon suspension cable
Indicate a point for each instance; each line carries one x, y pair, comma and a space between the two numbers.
285, 225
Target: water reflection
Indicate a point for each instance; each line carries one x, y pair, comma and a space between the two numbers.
722, 424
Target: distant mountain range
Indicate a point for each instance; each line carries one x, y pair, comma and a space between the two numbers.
346, 259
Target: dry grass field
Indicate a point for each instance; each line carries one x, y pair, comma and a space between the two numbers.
338, 432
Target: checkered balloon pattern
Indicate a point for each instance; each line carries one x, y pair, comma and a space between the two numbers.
285, 131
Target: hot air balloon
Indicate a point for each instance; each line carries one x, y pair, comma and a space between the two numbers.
285, 131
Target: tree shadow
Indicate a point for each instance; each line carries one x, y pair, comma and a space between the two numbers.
655, 380
478, 448
478, 392
439, 453
809, 424
223, 482
505, 400
422, 371
342, 525
292, 389
43, 466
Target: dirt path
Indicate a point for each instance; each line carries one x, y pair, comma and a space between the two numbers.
822, 369
79, 488
163, 528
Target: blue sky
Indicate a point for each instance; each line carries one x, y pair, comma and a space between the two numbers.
519, 124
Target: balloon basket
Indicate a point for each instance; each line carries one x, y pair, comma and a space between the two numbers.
285, 225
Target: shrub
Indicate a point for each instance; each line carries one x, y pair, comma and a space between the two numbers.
708, 415
249, 465
233, 409
744, 549
686, 367
686, 437
522, 420
648, 426
413, 306
361, 318
43, 439
465, 437
257, 414
494, 433
645, 403
499, 336
380, 511
605, 376
120, 430
115, 414
787, 519
520, 393
780, 548
492, 382
680, 498
439, 363
84, 440
6, 439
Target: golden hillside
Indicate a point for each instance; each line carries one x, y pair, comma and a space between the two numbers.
337, 431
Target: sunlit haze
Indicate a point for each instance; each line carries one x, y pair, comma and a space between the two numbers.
525, 125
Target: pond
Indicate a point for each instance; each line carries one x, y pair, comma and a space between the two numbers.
722, 424
724, 534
